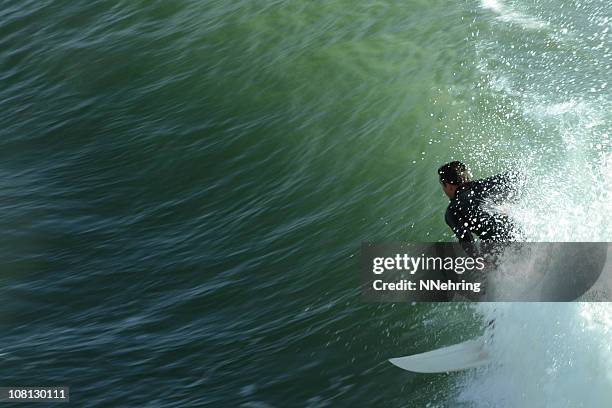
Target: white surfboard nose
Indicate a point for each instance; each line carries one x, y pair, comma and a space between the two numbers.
462, 356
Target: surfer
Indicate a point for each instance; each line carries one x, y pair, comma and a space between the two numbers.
477, 206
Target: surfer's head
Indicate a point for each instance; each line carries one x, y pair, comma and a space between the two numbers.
452, 175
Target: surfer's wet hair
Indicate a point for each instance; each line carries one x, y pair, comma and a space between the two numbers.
454, 173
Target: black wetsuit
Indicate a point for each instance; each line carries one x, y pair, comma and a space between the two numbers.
475, 210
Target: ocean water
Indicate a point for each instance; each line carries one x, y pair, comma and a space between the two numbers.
185, 186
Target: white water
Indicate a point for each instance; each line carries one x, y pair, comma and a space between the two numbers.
508, 14
553, 354
546, 355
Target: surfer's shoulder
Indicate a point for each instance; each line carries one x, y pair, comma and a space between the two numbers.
464, 192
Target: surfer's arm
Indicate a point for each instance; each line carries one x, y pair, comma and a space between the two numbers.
505, 187
463, 234
453, 220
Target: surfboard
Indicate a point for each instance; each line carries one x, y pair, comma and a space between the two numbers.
462, 356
